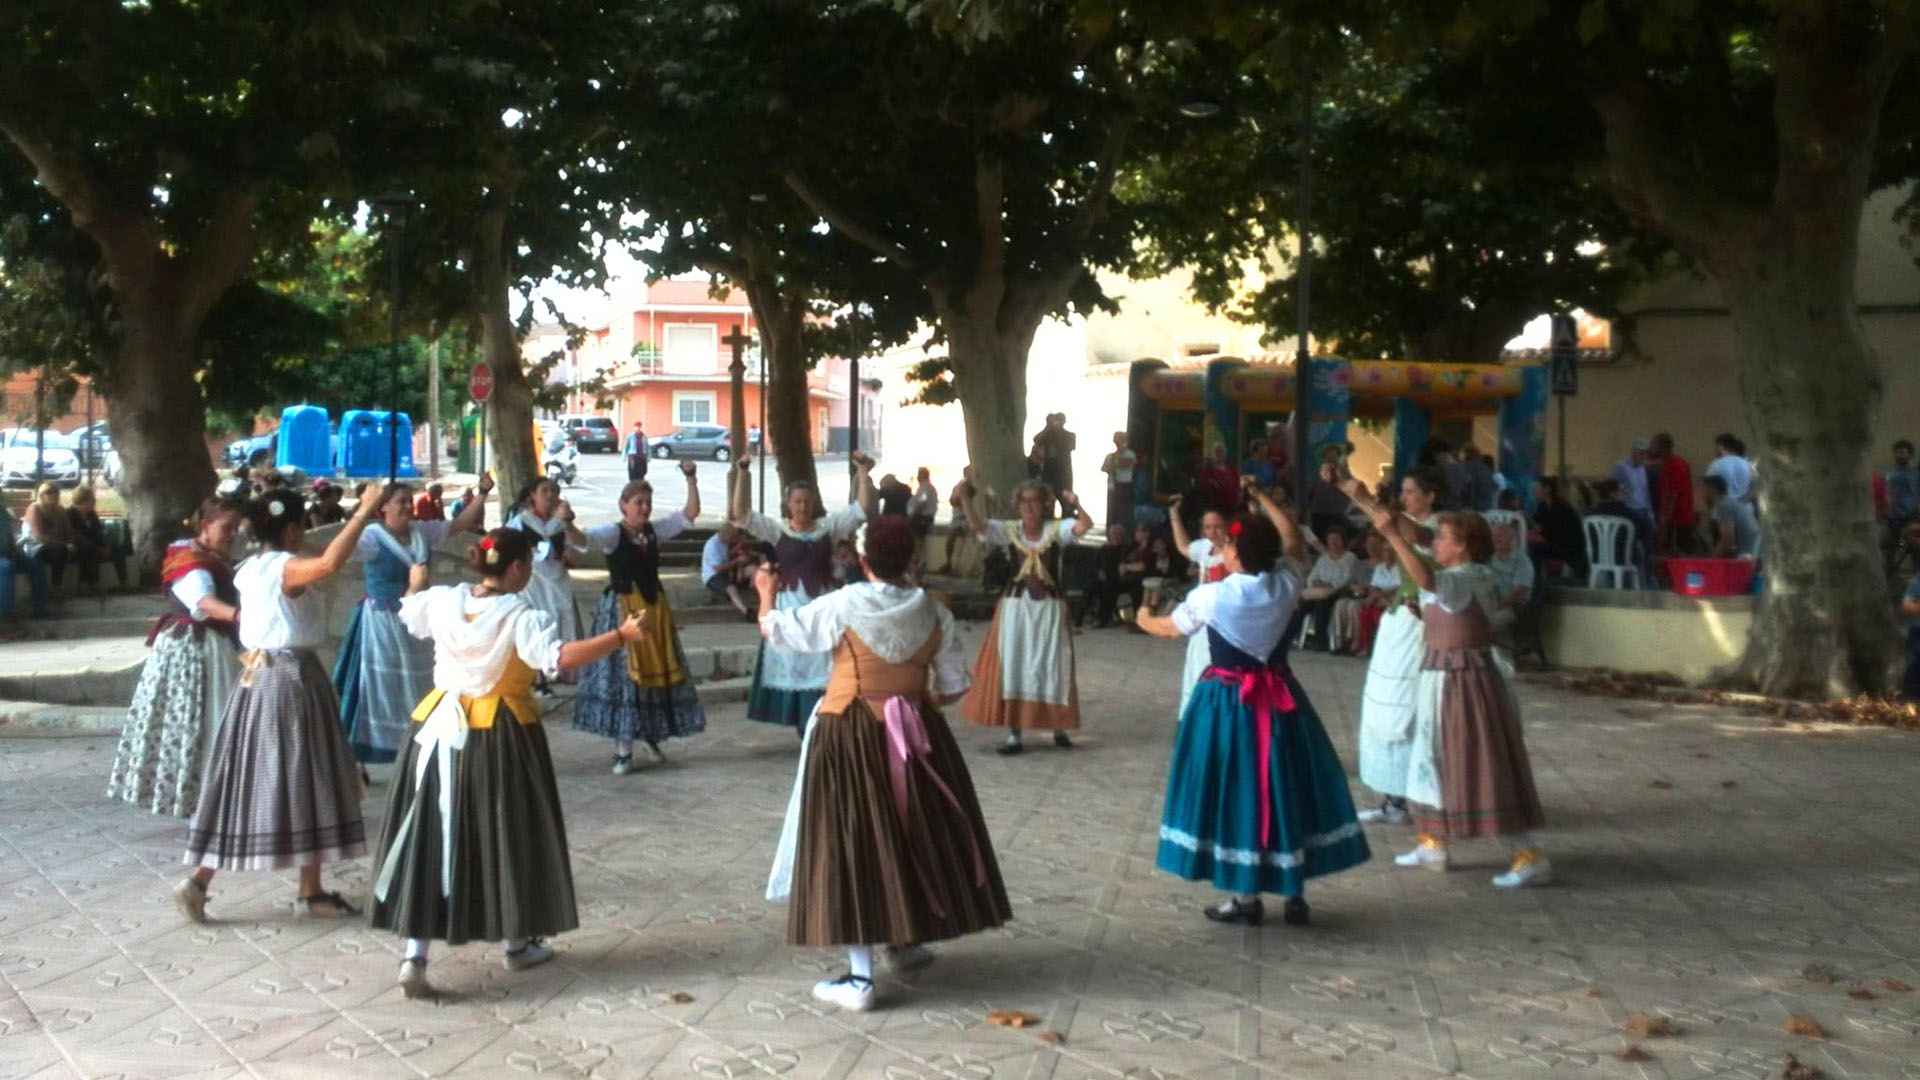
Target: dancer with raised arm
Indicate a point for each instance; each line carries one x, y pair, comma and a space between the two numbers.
189, 674
1393, 670
643, 691
1024, 678
1257, 798
548, 522
381, 671
1469, 774
788, 684
474, 847
884, 843
282, 789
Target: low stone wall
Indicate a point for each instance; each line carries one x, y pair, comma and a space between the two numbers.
1648, 633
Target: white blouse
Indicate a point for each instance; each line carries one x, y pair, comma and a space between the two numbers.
269, 618
555, 531
1455, 587
1250, 610
1003, 533
474, 636
839, 525
604, 538
425, 536
893, 621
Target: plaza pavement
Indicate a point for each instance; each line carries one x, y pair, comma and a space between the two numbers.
1708, 864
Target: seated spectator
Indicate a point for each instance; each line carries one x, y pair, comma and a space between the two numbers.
91, 544
1382, 585
846, 563
1332, 574
1102, 598
49, 538
460, 502
1562, 537
1609, 501
14, 561
725, 565
1735, 530
1513, 572
1344, 625
1259, 464
326, 508
427, 506
1166, 567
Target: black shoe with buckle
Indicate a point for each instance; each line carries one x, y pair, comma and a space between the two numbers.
1295, 912
1234, 911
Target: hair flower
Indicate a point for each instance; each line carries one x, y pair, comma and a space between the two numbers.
860, 540
276, 508
1234, 529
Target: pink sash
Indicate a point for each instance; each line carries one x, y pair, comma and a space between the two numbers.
1266, 692
907, 739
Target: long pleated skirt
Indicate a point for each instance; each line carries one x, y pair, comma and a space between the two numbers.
1211, 828
171, 726
282, 789
867, 872
380, 673
1475, 754
508, 875
641, 692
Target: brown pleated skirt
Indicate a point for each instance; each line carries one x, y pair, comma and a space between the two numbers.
1486, 778
864, 874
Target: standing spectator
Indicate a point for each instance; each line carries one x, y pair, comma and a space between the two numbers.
326, 508
1735, 530
1629, 478
1053, 452
1674, 519
753, 439
1458, 481
1903, 489
1325, 504
1259, 464
894, 496
49, 540
923, 508
13, 560
1477, 470
1730, 464
429, 505
957, 527
91, 544
1562, 536
637, 452
1119, 467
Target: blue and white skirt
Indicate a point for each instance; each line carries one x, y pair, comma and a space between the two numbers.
381, 673
1216, 804
612, 704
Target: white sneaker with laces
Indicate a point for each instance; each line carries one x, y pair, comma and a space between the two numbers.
622, 764
1528, 869
1385, 814
537, 952
907, 957
1426, 858
848, 992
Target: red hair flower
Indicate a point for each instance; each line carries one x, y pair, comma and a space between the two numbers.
1233, 530
486, 543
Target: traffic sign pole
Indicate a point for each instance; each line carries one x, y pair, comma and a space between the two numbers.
480, 387
1565, 361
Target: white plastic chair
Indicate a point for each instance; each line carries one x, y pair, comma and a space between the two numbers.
1608, 538
1508, 517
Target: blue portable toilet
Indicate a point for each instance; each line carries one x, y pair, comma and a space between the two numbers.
304, 440
364, 443
405, 424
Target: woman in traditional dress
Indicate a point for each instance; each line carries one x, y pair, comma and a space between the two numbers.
884, 843
548, 522
1204, 554
788, 684
381, 671
474, 847
183, 688
1393, 671
1024, 677
641, 692
281, 789
1469, 774
1256, 797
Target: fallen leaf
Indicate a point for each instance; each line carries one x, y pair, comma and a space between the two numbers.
680, 997
1632, 1053
1860, 993
1894, 985
1011, 1018
1642, 1026
1792, 1069
1819, 973
1805, 1026
1662, 784
1053, 1037
1703, 755
1594, 991
1729, 783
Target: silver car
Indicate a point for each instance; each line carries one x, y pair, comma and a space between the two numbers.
56, 462
695, 441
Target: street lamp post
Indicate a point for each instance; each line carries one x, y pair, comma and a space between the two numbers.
396, 206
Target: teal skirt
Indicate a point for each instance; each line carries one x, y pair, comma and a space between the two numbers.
1212, 827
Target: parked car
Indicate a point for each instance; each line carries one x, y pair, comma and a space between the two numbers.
92, 443
592, 434
20, 465
240, 451
694, 441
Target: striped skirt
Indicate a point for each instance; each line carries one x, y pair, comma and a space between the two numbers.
282, 789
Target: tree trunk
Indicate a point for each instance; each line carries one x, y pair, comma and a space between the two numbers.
989, 361
789, 423
515, 459
159, 425
1811, 384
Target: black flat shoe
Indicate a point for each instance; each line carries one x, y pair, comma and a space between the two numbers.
1233, 911
1009, 749
1060, 740
1295, 913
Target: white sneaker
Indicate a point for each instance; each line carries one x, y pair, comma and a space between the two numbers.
622, 764
1529, 868
846, 992
413, 980
537, 952
1427, 858
907, 957
1385, 814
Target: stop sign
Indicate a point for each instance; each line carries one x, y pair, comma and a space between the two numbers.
480, 381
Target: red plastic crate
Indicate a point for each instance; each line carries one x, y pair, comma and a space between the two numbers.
1711, 577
